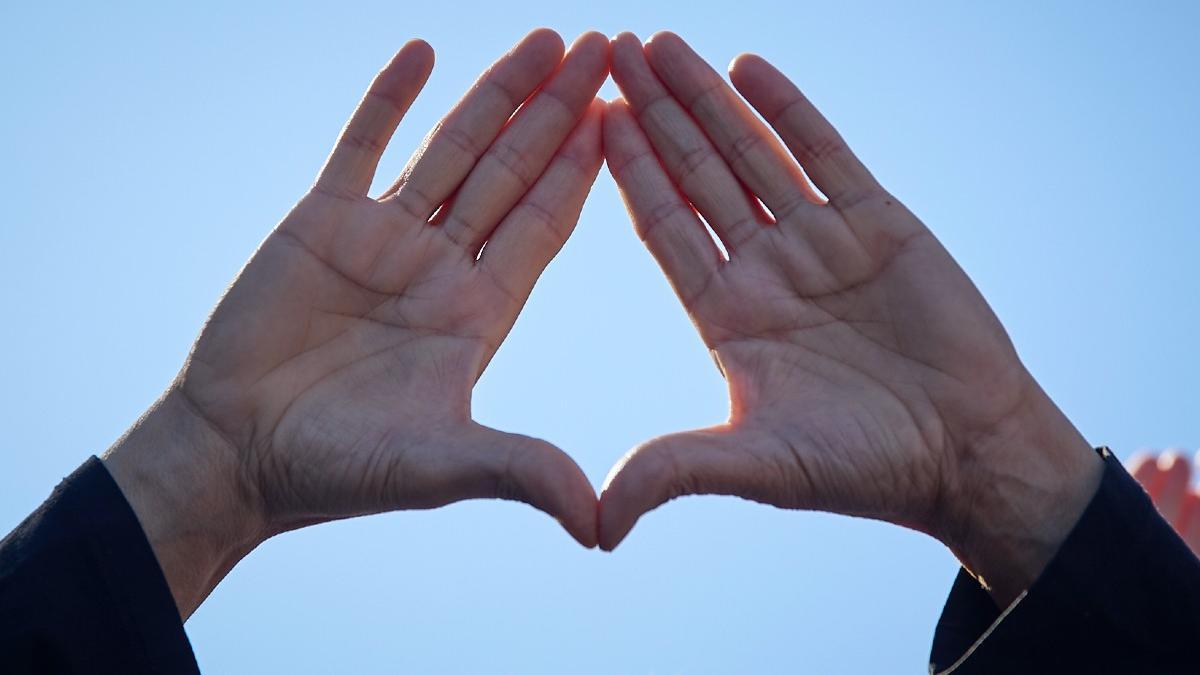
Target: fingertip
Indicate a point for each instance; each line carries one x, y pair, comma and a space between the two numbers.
543, 35
618, 508
546, 43
747, 60
579, 501
626, 37
664, 38
1173, 461
591, 38
624, 46
579, 520
738, 63
610, 533
587, 537
539, 473
613, 524
413, 61
609, 547
748, 69
592, 48
672, 57
1143, 464
587, 526
419, 48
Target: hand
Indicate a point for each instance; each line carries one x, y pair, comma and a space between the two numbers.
867, 376
1167, 479
334, 378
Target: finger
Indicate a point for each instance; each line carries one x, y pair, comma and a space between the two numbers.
511, 165
663, 219
1173, 484
749, 147
351, 166
715, 461
498, 465
812, 139
538, 226
1143, 466
687, 154
1189, 524
457, 142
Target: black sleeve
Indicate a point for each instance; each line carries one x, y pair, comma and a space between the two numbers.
1122, 595
81, 590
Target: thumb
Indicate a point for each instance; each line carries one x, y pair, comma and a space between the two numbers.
719, 460
533, 471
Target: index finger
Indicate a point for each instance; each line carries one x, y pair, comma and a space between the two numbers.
351, 166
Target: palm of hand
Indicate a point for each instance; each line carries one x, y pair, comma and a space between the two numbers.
853, 388
353, 341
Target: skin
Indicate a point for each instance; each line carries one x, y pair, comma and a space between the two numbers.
867, 375
334, 378
1167, 478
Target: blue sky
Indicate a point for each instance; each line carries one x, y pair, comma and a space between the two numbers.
150, 148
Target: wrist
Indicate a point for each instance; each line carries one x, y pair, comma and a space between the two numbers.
184, 482
1023, 486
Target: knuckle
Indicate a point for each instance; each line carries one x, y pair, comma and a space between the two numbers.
363, 142
505, 95
626, 166
514, 161
823, 148
459, 230
708, 96
398, 104
662, 213
744, 146
692, 162
463, 141
544, 219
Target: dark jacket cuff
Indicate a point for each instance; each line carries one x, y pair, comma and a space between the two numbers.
1122, 594
81, 590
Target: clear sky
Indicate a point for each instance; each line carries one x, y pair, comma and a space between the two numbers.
147, 150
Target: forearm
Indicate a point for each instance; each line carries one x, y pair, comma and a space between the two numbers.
185, 483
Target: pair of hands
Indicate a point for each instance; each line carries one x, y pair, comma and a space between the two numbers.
867, 376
